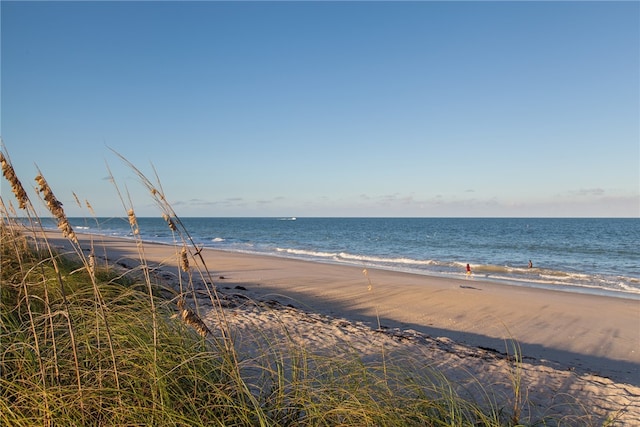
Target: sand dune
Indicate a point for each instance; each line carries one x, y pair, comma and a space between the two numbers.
580, 354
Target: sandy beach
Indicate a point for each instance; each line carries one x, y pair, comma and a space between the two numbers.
577, 350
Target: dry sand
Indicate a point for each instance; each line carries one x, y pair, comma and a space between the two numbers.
580, 353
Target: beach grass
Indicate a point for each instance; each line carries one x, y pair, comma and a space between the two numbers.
86, 342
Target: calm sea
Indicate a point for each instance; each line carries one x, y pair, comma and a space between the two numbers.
577, 255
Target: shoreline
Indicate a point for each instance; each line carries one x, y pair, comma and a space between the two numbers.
582, 332
565, 255
567, 288
480, 277
572, 364
557, 328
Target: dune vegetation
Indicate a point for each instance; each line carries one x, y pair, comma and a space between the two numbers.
85, 342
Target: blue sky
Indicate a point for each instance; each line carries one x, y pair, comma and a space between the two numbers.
328, 109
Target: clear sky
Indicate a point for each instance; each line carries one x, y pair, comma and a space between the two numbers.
328, 109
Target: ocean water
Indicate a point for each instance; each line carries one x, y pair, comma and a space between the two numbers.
576, 255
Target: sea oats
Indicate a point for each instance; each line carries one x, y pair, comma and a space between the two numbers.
157, 194
172, 225
16, 185
133, 222
184, 259
366, 274
55, 207
90, 208
92, 263
192, 319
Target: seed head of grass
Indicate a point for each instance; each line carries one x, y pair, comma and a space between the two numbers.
90, 208
92, 263
192, 319
77, 199
172, 225
366, 274
184, 259
55, 207
133, 221
16, 185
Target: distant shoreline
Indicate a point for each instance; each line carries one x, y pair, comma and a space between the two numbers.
480, 277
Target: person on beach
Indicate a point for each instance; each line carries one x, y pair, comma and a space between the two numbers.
468, 270
530, 264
